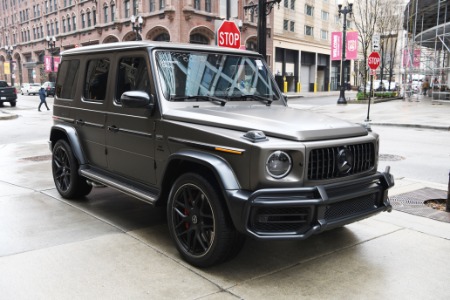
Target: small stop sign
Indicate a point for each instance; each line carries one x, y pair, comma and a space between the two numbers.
374, 60
229, 35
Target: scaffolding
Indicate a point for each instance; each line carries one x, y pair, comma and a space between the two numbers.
426, 48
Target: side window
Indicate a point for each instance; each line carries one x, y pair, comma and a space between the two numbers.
96, 79
67, 79
132, 75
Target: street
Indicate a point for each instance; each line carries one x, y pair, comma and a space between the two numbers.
111, 246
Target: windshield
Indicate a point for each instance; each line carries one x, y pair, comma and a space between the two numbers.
191, 76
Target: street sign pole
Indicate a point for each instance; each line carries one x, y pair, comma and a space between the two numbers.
374, 63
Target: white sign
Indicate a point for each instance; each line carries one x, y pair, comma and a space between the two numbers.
376, 42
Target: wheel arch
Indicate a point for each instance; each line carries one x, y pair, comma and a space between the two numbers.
70, 135
198, 162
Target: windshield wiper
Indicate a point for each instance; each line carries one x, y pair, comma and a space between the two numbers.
256, 97
200, 97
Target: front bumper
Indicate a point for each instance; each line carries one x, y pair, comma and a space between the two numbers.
297, 213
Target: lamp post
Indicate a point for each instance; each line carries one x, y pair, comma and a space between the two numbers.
137, 26
51, 43
9, 51
264, 8
344, 11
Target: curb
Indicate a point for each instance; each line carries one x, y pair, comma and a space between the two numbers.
7, 116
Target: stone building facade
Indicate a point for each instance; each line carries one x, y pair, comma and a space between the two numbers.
26, 24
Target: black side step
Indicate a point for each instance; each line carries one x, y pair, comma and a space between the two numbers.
128, 189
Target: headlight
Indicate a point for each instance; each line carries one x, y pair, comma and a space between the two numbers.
278, 164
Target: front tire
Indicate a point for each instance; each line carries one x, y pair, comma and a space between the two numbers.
65, 172
199, 222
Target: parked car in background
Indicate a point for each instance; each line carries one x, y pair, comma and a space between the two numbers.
380, 86
7, 94
30, 88
49, 88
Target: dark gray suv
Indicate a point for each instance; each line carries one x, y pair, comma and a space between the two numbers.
206, 132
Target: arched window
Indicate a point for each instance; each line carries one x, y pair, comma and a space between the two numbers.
105, 13
198, 38
163, 37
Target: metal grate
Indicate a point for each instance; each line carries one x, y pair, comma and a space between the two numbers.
352, 206
323, 162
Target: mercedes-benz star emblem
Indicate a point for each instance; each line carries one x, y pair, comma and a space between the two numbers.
344, 161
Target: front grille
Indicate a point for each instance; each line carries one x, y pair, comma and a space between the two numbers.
353, 206
326, 163
280, 219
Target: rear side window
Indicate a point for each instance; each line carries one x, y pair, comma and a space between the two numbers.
132, 75
96, 79
66, 83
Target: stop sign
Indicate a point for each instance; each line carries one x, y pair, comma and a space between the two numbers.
229, 35
374, 60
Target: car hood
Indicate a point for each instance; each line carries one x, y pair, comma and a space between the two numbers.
276, 121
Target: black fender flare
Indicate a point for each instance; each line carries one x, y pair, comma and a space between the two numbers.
65, 131
219, 166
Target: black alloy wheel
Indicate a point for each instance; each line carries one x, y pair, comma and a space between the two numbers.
65, 172
199, 222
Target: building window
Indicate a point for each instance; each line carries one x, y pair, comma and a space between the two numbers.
309, 10
163, 37
135, 8
74, 22
292, 26
325, 15
162, 4
286, 3
309, 30
197, 38
105, 13
127, 9
208, 5
56, 27
152, 5
64, 25
293, 4
197, 4
323, 34
113, 12
83, 20
89, 20
94, 13
285, 24
48, 29
69, 28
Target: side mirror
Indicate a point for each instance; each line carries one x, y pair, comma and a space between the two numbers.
137, 99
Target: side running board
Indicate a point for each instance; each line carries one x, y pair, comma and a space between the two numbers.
128, 189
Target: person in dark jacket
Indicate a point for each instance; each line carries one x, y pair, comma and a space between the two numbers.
42, 95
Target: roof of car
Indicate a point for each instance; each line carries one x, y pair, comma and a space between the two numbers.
150, 44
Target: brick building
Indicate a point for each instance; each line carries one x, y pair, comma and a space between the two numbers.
26, 24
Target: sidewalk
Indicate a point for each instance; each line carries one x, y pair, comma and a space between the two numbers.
418, 111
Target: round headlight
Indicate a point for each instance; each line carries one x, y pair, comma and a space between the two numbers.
278, 164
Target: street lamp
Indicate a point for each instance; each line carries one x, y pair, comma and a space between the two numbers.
264, 8
51, 43
9, 51
137, 26
344, 10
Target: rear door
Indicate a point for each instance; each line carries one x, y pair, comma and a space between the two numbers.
130, 136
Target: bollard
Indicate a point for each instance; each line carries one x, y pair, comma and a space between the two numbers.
447, 205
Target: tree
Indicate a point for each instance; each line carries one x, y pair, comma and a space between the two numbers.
365, 17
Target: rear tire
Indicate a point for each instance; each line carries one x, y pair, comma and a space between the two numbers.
65, 172
12, 103
199, 223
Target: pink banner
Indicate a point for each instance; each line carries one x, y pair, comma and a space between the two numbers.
407, 58
48, 63
352, 45
336, 45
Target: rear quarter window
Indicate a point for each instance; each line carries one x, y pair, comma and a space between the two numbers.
66, 83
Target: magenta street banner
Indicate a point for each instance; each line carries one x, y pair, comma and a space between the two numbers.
352, 45
336, 45
48, 63
407, 58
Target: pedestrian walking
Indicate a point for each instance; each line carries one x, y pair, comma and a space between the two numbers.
42, 96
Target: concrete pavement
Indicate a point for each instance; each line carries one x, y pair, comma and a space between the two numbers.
111, 246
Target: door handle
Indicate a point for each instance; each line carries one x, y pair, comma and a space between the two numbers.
113, 128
